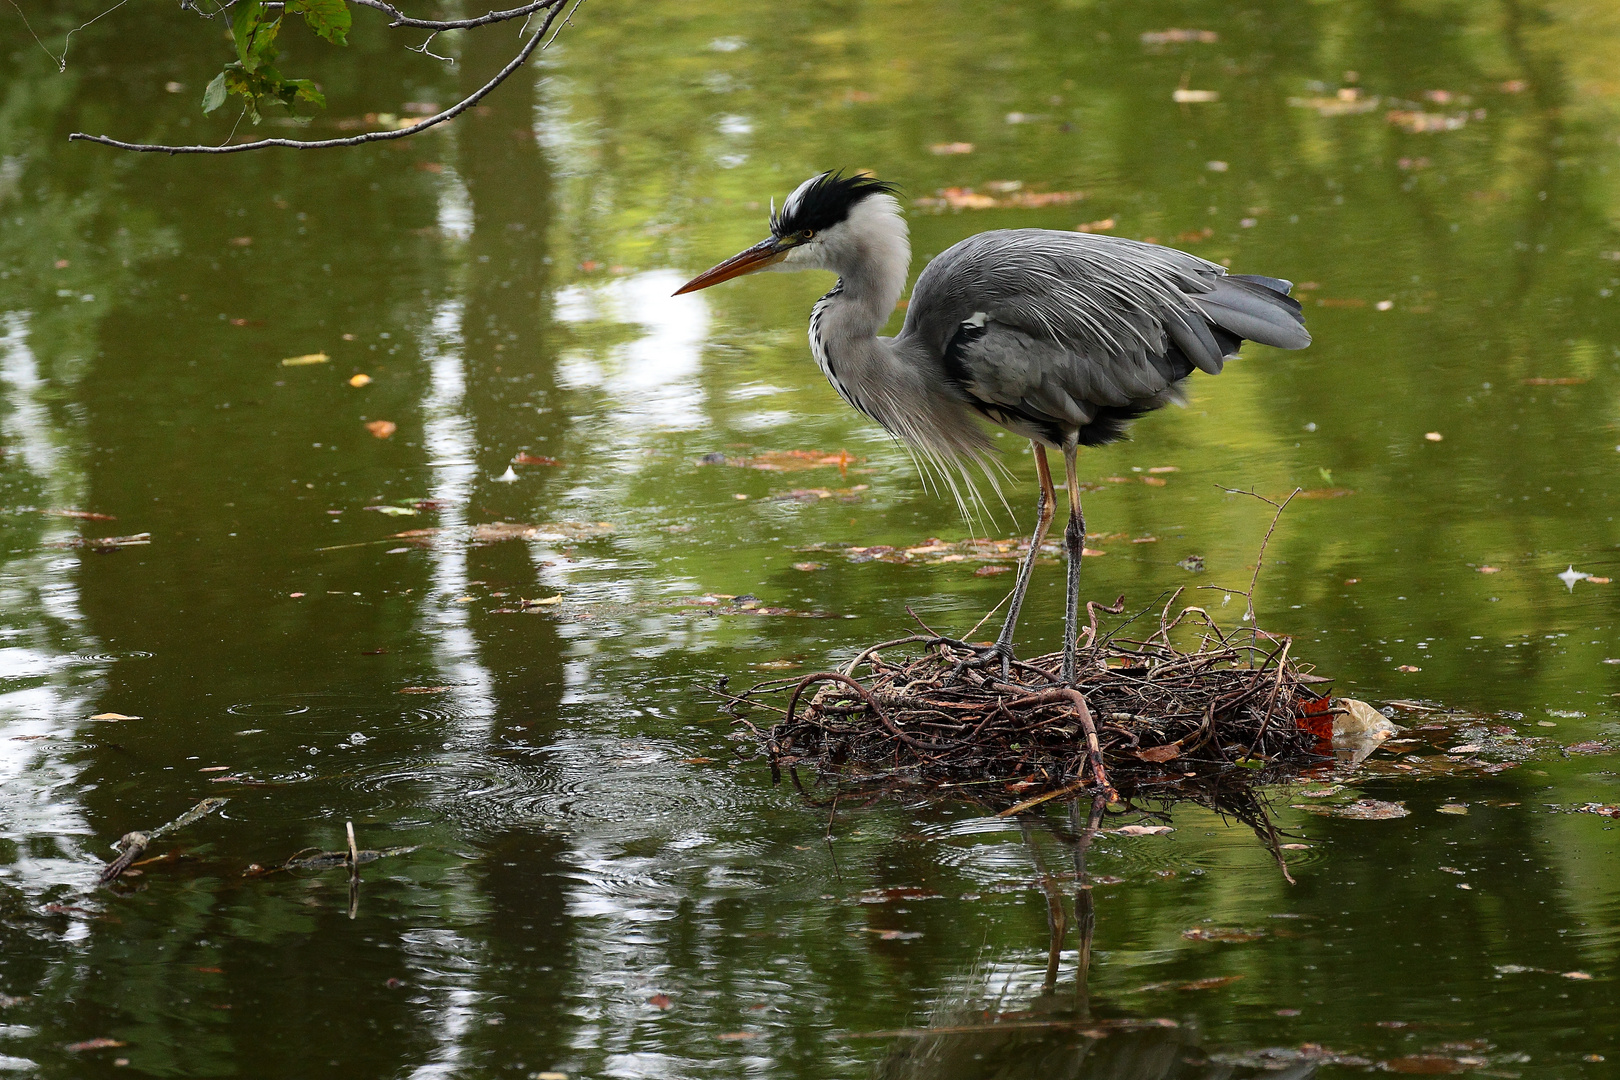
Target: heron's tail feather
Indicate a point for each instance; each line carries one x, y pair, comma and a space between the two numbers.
1256, 308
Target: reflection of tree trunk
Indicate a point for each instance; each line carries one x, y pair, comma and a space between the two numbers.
510, 365
1546, 91
510, 404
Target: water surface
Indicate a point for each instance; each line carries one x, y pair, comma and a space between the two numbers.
607, 883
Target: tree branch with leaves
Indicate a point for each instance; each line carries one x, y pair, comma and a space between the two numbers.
253, 75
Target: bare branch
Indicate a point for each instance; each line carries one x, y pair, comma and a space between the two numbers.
451, 113
61, 61
401, 19
1259, 561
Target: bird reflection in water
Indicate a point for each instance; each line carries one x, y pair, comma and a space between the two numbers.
1058, 1035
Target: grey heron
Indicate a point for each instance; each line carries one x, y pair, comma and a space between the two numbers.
1062, 338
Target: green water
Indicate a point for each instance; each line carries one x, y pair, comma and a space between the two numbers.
607, 883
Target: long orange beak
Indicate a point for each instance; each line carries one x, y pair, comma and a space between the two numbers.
758, 257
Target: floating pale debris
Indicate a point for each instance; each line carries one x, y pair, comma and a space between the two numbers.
1571, 576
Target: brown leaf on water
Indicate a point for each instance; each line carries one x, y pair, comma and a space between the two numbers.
1325, 493
1214, 983
810, 495
951, 148
1596, 746
103, 543
1175, 36
1408, 668
660, 1001
492, 532
1417, 122
1488, 569
82, 515
1167, 752
809, 567
1364, 810
1154, 481
1105, 225
1141, 830
255, 323
382, 429
113, 716
534, 459
1165, 469
240, 241
1567, 381
1222, 933
1580, 975
992, 571
786, 460
95, 1044
737, 1036
1424, 1064
956, 198
424, 689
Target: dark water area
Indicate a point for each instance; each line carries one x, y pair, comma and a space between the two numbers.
605, 882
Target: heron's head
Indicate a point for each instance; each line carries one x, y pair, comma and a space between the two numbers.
830, 222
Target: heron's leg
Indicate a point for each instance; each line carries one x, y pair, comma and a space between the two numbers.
1044, 510
1074, 546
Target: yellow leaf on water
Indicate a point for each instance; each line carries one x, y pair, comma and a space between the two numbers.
362, 379
307, 358
382, 429
113, 716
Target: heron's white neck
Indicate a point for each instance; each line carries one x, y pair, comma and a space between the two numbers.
871, 253
894, 383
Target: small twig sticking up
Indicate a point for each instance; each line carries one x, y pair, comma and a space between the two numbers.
354, 872
920, 622
1259, 560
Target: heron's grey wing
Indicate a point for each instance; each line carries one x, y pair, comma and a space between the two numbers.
1103, 301
1037, 388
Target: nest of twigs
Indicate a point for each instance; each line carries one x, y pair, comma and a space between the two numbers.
1141, 713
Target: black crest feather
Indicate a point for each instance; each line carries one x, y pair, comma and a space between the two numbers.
826, 202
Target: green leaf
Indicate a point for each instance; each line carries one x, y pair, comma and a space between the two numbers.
328, 18
254, 33
303, 90
214, 96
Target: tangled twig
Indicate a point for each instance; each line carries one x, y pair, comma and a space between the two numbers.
1142, 713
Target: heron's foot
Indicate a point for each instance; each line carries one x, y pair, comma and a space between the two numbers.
999, 655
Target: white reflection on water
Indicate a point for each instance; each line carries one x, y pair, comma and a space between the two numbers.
655, 376
46, 685
448, 438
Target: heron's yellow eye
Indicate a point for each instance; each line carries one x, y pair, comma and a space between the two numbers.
807, 234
